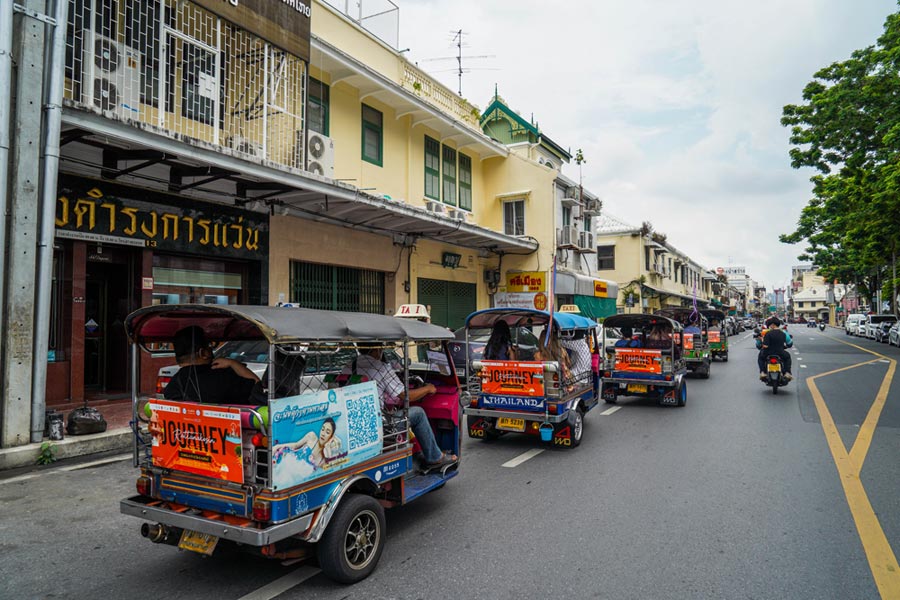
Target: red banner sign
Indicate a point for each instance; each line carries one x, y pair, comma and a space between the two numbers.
714, 336
638, 361
688, 341
197, 438
514, 378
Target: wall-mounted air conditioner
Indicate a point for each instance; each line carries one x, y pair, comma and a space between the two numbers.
586, 240
436, 206
567, 237
111, 79
242, 145
459, 215
319, 154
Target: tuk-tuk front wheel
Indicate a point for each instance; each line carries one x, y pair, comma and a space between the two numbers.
354, 540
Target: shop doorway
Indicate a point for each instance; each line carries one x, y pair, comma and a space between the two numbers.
109, 297
450, 302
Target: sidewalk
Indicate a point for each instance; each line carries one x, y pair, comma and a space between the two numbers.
116, 437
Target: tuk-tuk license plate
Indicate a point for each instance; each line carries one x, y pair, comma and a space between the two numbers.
637, 388
202, 543
511, 424
774, 368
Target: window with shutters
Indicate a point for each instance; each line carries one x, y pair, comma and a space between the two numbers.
449, 168
331, 287
432, 168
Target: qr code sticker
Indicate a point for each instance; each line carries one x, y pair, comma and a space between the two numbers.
363, 420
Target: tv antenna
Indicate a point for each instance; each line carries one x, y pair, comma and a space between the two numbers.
458, 40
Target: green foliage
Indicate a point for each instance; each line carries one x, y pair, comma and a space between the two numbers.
848, 129
46, 454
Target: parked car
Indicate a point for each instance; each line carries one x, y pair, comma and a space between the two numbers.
882, 330
894, 334
870, 325
522, 337
851, 325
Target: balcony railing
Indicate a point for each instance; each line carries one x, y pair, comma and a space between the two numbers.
174, 66
423, 85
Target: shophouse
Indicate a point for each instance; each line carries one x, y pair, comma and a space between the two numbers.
251, 152
650, 271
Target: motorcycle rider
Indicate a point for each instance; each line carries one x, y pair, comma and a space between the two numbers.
774, 341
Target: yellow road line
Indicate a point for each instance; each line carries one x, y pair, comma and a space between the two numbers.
882, 561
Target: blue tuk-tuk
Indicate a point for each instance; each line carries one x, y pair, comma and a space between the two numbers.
544, 395
311, 462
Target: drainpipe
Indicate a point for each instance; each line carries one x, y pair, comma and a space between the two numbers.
44, 280
6, 42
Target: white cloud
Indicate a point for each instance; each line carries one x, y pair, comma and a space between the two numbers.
675, 104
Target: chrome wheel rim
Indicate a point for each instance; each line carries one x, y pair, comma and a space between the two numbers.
363, 537
579, 424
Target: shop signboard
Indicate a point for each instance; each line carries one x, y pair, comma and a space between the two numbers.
325, 431
100, 212
285, 23
196, 438
537, 301
600, 289
526, 282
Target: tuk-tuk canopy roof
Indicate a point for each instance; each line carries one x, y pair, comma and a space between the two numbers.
639, 321
712, 313
520, 316
278, 325
682, 315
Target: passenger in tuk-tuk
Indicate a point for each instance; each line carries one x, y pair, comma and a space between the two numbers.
500, 346
204, 379
579, 354
549, 348
658, 338
628, 340
392, 393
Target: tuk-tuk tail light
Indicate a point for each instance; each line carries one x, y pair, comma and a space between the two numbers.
552, 408
144, 486
161, 383
262, 510
259, 440
668, 378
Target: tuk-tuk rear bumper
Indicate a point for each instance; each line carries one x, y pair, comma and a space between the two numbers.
508, 414
644, 381
139, 506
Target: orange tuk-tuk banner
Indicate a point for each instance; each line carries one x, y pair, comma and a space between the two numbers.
512, 377
638, 361
714, 336
197, 438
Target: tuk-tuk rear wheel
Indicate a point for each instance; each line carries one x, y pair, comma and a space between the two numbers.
576, 422
681, 394
354, 540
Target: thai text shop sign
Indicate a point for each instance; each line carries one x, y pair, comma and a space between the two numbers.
529, 281
112, 214
197, 438
321, 432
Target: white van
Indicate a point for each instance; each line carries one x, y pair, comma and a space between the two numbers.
851, 325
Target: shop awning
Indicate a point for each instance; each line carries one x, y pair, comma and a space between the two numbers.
104, 148
700, 301
570, 283
596, 308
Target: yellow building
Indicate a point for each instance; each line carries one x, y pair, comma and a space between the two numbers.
650, 271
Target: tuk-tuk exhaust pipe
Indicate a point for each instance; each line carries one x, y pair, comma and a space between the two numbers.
160, 534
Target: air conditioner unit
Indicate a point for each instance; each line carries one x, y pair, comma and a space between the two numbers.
459, 215
435, 206
567, 237
111, 79
319, 154
586, 240
242, 145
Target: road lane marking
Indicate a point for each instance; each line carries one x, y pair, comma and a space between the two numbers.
802, 366
610, 411
882, 561
280, 586
522, 458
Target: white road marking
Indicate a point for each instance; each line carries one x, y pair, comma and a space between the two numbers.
799, 357
96, 463
280, 586
610, 411
884, 361
802, 366
19, 478
522, 458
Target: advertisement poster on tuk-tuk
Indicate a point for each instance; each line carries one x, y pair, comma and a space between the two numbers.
714, 336
512, 378
196, 438
325, 431
638, 361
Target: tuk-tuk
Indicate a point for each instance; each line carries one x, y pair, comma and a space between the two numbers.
647, 359
697, 354
310, 464
538, 396
718, 337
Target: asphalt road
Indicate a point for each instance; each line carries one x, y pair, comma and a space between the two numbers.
741, 494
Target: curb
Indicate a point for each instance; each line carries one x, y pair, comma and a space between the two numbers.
25, 456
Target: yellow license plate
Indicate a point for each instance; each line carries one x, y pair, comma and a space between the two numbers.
202, 543
774, 368
511, 424
637, 388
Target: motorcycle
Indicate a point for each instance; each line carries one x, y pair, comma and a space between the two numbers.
775, 376
822, 326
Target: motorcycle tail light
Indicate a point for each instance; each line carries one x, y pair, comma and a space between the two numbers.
161, 383
143, 485
262, 510
774, 361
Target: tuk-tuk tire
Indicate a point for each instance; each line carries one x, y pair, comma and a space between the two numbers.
576, 418
725, 357
358, 511
681, 393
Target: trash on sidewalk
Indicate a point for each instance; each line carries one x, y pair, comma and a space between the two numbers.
85, 420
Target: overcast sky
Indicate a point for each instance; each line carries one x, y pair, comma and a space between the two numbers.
676, 103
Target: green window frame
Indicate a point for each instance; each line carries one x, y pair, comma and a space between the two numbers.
465, 182
372, 135
318, 107
432, 168
448, 165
